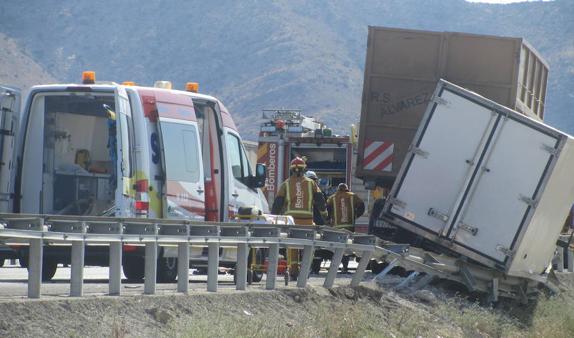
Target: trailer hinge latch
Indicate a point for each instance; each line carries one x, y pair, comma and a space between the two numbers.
418, 151
531, 202
506, 251
469, 228
440, 101
550, 149
6, 132
437, 214
397, 202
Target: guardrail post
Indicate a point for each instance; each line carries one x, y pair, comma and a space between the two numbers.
183, 267
115, 268
150, 268
305, 266
78, 253
35, 259
213, 267
335, 261
77, 269
570, 256
339, 237
241, 266
560, 259
365, 257
360, 272
272, 267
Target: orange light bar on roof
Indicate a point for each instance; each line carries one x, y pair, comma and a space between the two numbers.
88, 77
129, 83
192, 87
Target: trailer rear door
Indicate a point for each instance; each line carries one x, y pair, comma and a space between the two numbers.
474, 175
9, 116
434, 179
505, 188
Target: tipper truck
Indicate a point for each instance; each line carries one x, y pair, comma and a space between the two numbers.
402, 70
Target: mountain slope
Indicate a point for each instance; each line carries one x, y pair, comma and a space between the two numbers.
266, 54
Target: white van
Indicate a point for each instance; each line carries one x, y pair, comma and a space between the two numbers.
128, 151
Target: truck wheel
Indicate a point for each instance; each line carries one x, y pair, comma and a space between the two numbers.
376, 267
1, 263
166, 270
378, 206
134, 268
49, 268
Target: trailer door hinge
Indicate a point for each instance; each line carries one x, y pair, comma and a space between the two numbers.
469, 228
506, 251
419, 151
550, 149
397, 202
437, 214
531, 202
6, 132
441, 101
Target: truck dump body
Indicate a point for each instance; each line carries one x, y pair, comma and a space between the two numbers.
402, 69
486, 182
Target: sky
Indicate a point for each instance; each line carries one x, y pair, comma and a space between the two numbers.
502, 1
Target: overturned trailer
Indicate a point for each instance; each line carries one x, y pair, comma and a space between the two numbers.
487, 184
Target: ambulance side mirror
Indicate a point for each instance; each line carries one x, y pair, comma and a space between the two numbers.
258, 181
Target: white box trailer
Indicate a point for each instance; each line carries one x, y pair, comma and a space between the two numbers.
485, 182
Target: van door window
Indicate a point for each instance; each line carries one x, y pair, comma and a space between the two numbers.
184, 193
237, 158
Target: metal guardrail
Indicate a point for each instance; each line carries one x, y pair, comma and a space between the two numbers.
79, 231
425, 266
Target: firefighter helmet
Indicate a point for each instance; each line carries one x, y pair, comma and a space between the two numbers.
343, 187
311, 174
298, 163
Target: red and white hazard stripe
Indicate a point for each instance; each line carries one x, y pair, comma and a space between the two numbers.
378, 155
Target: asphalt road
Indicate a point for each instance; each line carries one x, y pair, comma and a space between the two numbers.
13, 283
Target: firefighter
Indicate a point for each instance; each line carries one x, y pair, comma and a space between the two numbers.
344, 208
318, 217
296, 197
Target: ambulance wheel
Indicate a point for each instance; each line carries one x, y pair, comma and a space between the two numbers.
166, 270
49, 268
134, 268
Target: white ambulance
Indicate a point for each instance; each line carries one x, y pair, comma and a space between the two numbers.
104, 149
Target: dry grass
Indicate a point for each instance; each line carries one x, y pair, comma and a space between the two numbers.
397, 316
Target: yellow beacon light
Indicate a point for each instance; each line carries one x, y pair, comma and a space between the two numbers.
162, 84
88, 77
129, 83
192, 87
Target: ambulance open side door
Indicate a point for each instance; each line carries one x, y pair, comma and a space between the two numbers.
124, 162
9, 116
183, 191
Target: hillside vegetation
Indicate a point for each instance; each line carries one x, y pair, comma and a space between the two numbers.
265, 54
